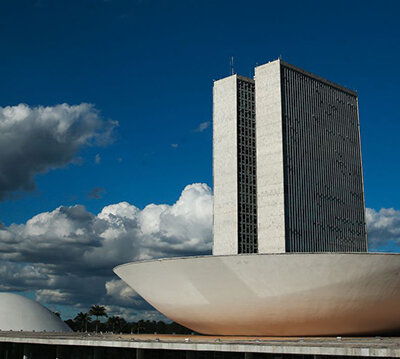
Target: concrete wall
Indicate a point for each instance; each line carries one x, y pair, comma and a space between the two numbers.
270, 177
225, 166
85, 345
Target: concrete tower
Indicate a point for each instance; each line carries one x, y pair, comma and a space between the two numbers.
287, 164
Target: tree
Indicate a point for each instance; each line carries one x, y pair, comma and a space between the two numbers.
98, 311
82, 319
161, 327
116, 324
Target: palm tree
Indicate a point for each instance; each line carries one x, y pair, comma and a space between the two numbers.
82, 319
98, 311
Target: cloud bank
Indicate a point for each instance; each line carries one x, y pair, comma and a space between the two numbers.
36, 139
66, 256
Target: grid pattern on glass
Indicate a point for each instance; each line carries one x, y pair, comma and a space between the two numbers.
324, 197
246, 154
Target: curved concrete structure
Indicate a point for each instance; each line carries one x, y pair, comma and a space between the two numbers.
20, 313
288, 294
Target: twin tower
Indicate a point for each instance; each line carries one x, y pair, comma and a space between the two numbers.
287, 164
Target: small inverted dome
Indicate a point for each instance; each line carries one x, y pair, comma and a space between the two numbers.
21, 313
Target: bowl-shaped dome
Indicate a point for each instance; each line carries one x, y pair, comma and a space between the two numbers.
293, 294
20, 313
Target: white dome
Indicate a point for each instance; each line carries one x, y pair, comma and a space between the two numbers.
21, 313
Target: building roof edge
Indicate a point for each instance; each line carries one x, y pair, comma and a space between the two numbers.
319, 78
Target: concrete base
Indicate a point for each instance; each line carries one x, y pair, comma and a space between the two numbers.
85, 346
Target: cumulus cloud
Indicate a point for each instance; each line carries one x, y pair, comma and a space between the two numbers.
127, 303
117, 288
36, 139
383, 229
66, 255
21, 276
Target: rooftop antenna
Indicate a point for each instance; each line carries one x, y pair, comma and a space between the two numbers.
232, 68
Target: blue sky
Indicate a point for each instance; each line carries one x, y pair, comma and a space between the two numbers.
150, 65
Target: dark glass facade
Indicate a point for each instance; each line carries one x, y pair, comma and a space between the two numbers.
323, 183
246, 154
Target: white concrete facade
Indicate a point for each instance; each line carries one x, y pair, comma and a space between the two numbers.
21, 313
270, 176
225, 166
290, 294
270, 180
335, 347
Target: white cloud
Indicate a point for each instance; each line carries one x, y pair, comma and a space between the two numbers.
66, 255
135, 313
202, 126
53, 296
22, 276
174, 145
123, 295
97, 159
37, 139
383, 229
118, 288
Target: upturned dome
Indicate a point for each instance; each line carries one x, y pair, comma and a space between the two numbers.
20, 313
